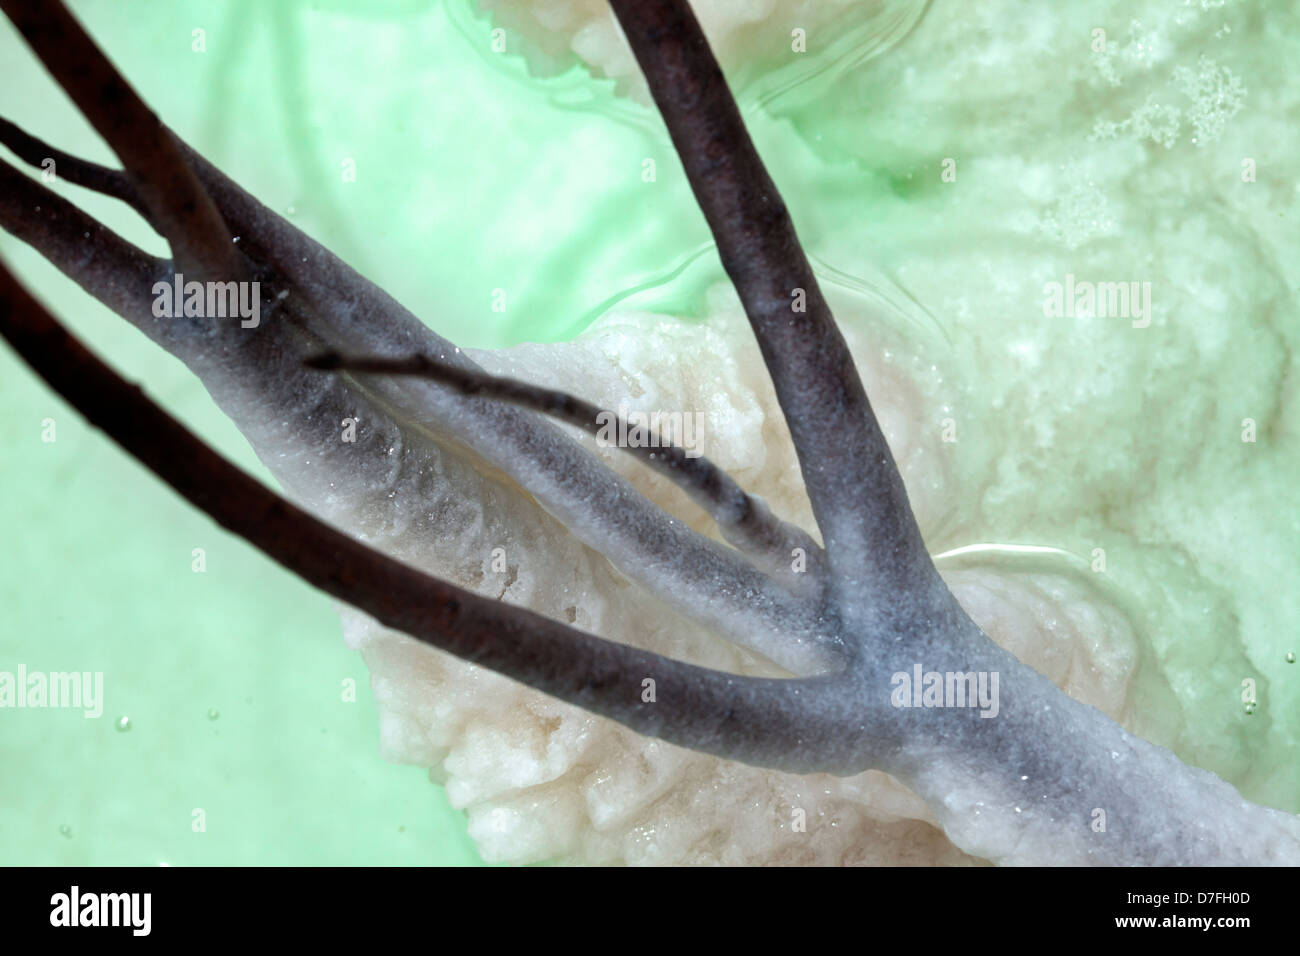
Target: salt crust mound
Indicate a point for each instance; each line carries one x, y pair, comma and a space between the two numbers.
551, 33
541, 780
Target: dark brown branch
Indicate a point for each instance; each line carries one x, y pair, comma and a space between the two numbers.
750, 719
74, 169
857, 493
745, 521
167, 187
104, 264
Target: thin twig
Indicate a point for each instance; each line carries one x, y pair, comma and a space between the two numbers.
745, 521
74, 169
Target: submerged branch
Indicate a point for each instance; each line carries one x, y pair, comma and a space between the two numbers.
327, 305
107, 266
166, 185
749, 719
744, 520
871, 537
74, 169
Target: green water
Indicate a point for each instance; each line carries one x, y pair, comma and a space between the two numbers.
472, 177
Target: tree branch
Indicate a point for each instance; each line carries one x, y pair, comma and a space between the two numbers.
1037, 771
749, 719
168, 189
104, 264
745, 521
79, 172
354, 315
330, 306
871, 537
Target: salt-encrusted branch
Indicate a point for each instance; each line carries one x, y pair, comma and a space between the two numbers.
1025, 785
744, 520
752, 719
326, 306
1022, 788
167, 187
871, 537
355, 316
